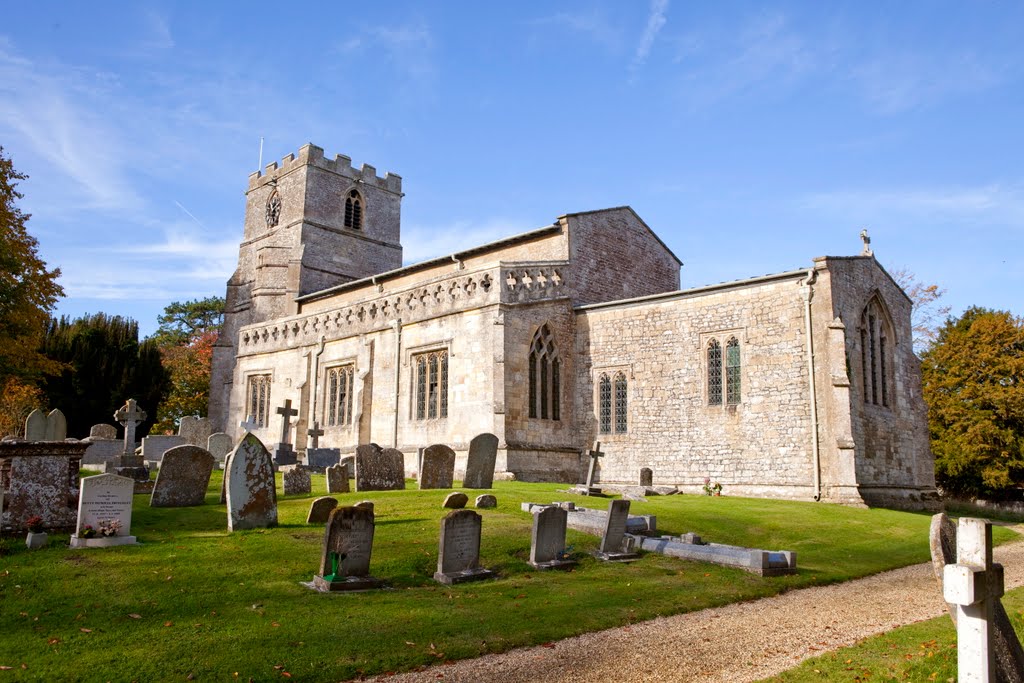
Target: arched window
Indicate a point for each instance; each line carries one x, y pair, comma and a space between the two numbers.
620, 403
604, 400
354, 211
714, 373
273, 210
876, 343
259, 399
430, 385
544, 376
732, 371
338, 406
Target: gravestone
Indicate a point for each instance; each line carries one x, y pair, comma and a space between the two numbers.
184, 475
349, 461
455, 500
646, 476
283, 452
458, 558
322, 457
337, 479
593, 454
437, 467
155, 445
251, 493
379, 470
368, 504
345, 560
320, 510
296, 481
40, 478
103, 431
35, 426
547, 542
483, 453
219, 444
194, 430
1006, 648
224, 480
486, 501
615, 533
56, 426
101, 499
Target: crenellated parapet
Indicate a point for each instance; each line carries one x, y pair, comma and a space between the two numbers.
311, 155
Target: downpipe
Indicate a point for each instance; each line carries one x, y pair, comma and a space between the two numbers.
807, 290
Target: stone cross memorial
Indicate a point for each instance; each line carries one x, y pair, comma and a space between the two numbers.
615, 533
593, 454
251, 492
345, 561
314, 435
379, 470
284, 454
184, 475
129, 464
104, 505
547, 542
437, 467
249, 424
458, 557
483, 453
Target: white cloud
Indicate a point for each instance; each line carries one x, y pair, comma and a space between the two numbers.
655, 21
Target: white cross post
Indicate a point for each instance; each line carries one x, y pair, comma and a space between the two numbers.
974, 584
129, 415
594, 454
287, 412
315, 433
249, 424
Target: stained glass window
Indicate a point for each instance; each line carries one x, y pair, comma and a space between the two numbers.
732, 371
431, 389
620, 403
605, 404
714, 373
338, 406
555, 389
421, 387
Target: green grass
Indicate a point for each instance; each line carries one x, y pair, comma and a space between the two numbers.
194, 599
925, 651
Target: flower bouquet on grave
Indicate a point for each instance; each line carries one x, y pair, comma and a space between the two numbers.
88, 531
109, 527
34, 524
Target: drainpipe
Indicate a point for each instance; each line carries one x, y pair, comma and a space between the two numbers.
316, 373
396, 325
807, 291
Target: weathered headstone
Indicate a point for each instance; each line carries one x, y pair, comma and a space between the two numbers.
379, 470
251, 493
437, 467
483, 453
348, 542
41, 478
337, 479
593, 454
104, 501
184, 475
547, 542
456, 500
368, 504
296, 481
224, 480
56, 426
1006, 648
646, 476
155, 445
486, 501
322, 457
35, 426
194, 430
349, 461
458, 558
219, 444
103, 431
320, 509
615, 533
284, 454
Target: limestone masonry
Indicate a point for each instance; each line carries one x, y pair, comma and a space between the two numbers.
799, 385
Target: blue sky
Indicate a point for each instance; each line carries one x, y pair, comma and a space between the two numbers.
751, 136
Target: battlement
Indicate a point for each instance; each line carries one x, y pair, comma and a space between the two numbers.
311, 155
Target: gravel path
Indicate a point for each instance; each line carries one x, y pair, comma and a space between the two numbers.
741, 642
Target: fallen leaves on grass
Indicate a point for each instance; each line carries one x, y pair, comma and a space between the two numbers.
85, 630
53, 641
133, 615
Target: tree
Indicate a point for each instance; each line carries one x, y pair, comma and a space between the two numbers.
927, 314
105, 365
973, 380
17, 400
186, 337
28, 291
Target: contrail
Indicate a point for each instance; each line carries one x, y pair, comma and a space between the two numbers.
190, 214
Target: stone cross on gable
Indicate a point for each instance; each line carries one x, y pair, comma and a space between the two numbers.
129, 415
250, 424
594, 454
286, 412
315, 433
974, 584
866, 249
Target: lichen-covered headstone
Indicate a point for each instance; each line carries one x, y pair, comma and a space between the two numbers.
35, 426
320, 510
458, 557
337, 478
251, 493
483, 452
194, 430
347, 545
547, 542
455, 500
184, 475
296, 481
379, 470
103, 431
437, 467
486, 501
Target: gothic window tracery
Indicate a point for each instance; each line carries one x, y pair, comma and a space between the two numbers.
724, 372
354, 210
258, 399
273, 210
544, 376
732, 371
431, 385
613, 403
714, 373
876, 343
338, 404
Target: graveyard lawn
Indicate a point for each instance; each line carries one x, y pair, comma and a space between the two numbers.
925, 651
195, 600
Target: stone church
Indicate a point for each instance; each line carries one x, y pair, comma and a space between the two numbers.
801, 384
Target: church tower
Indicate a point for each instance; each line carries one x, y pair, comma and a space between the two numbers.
310, 223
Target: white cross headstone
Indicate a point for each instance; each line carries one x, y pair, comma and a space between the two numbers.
286, 412
129, 415
250, 424
974, 584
